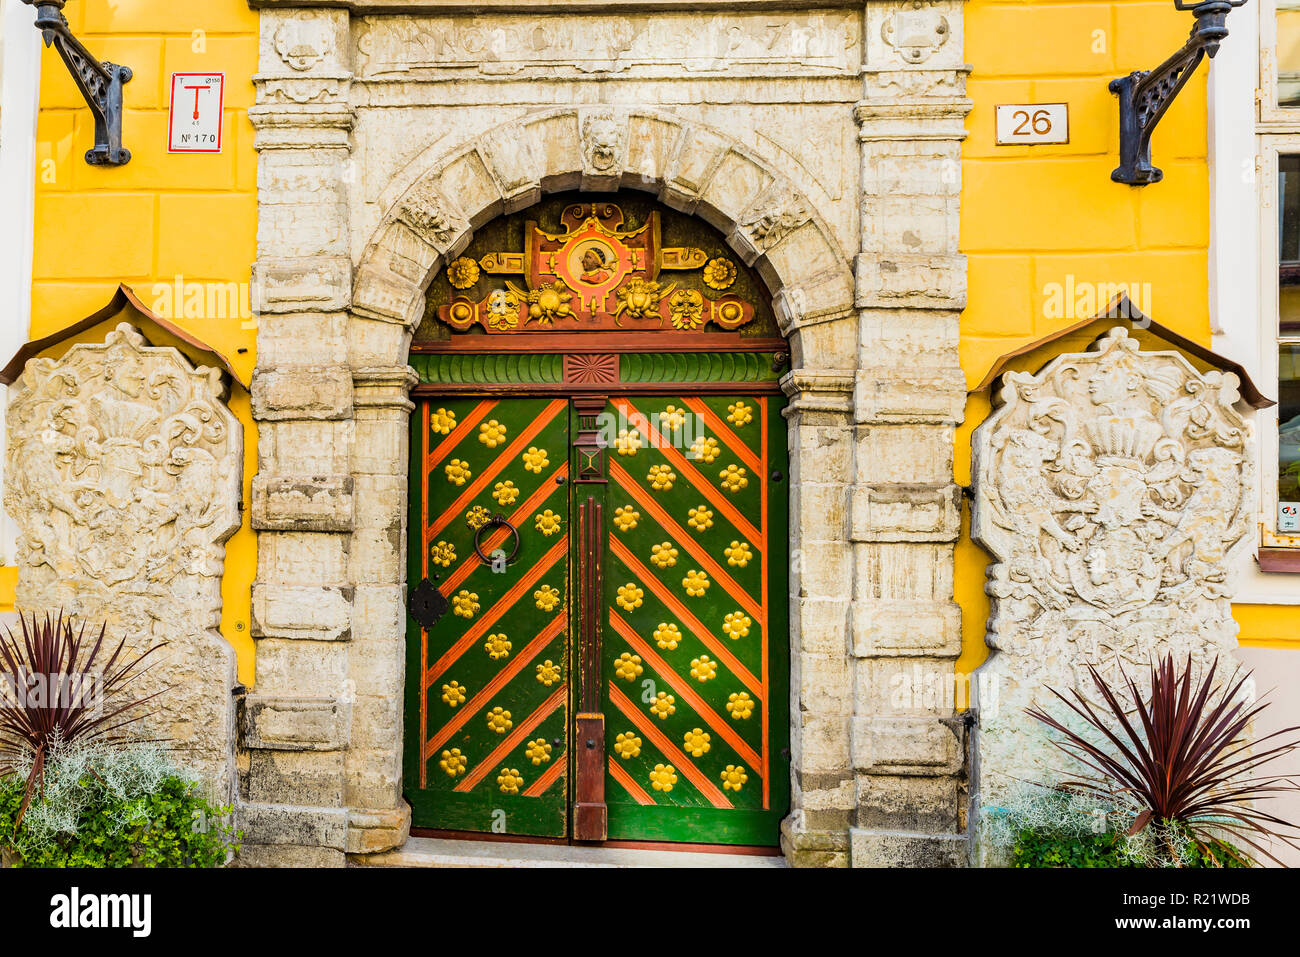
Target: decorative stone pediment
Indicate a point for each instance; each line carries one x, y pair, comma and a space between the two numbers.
123, 475
1112, 489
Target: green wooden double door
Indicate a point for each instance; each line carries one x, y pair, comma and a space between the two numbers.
597, 638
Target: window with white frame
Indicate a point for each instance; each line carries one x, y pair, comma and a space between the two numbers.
1278, 133
19, 99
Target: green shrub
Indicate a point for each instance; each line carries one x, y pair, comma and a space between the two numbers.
113, 807
1038, 848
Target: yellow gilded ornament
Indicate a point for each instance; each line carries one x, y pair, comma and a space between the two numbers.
663, 555
548, 672
663, 777
549, 303
686, 308
458, 472
477, 517
538, 751
705, 448
492, 433
734, 478
738, 554
453, 693
638, 299
736, 625
663, 705
696, 583
547, 597
628, 666
719, 274
627, 745
701, 519
548, 523
740, 705
672, 418
661, 478
740, 414
626, 517
498, 647
465, 603
734, 777
703, 668
453, 762
442, 553
463, 273
627, 442
442, 421
696, 742
510, 781
499, 721
535, 459
629, 597
667, 636
505, 492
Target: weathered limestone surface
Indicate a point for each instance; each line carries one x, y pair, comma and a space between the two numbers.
123, 476
1112, 488
824, 143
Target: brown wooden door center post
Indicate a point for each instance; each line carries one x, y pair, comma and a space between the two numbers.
590, 814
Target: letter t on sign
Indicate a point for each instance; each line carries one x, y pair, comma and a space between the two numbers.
194, 122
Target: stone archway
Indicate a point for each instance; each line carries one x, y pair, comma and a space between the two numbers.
875, 394
768, 221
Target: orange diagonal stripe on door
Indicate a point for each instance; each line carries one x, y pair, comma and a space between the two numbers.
669, 750
730, 439
512, 740
498, 464
680, 536
543, 784
628, 783
689, 695
518, 519
504, 677
692, 475
503, 604
675, 606
457, 435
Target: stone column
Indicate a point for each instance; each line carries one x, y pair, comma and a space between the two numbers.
297, 721
907, 746
379, 817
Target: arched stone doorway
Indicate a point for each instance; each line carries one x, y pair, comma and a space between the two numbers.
598, 537
344, 269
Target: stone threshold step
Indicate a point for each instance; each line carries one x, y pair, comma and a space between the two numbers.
436, 852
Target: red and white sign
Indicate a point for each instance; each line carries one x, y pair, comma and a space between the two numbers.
194, 122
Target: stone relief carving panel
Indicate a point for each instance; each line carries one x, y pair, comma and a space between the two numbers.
1111, 489
123, 476
821, 42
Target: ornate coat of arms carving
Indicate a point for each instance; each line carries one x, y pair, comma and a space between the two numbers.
1111, 489
123, 475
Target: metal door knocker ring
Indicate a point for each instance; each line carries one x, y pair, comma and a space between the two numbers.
495, 521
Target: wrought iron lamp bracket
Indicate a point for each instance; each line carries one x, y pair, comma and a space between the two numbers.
1145, 96
100, 83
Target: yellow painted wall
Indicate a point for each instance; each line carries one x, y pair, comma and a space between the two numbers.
1033, 216
159, 217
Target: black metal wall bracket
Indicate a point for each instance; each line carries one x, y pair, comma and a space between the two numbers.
1145, 96
100, 83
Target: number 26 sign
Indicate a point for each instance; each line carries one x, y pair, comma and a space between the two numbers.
194, 122
1028, 123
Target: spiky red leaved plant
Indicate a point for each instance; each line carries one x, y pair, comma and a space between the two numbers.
50, 651
1185, 760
